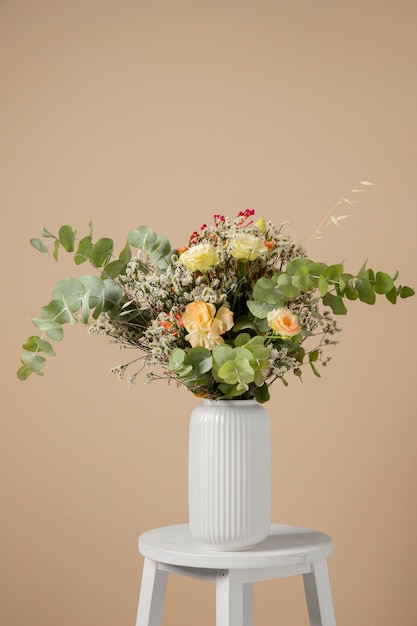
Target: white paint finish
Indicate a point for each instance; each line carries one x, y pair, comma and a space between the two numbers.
285, 546
319, 595
229, 474
152, 594
287, 551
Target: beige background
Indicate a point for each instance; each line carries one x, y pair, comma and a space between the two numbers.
163, 113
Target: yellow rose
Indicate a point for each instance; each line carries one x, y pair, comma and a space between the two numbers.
283, 322
247, 246
199, 258
204, 325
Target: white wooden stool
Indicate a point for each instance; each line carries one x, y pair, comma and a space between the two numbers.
287, 551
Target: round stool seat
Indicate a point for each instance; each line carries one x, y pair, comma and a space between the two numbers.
286, 545
287, 551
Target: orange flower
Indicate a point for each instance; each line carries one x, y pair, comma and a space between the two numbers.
169, 327
283, 322
204, 325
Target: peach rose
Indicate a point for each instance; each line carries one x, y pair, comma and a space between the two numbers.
199, 258
247, 246
283, 322
204, 325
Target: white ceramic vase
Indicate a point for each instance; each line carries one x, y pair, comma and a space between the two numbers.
229, 474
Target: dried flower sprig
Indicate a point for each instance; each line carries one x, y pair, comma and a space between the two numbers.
333, 216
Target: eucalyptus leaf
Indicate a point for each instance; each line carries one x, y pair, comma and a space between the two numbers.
265, 291
383, 283
237, 371
392, 295
39, 245
95, 288
142, 238
261, 394
176, 358
156, 246
259, 309
323, 285
56, 249
303, 280
242, 339
316, 269
33, 361
24, 372
52, 328
222, 353
67, 237
56, 311
46, 233
126, 254
35, 344
83, 251
291, 291
314, 355
72, 289
335, 303
244, 324
365, 291
101, 251
200, 358
112, 296
315, 370
85, 308
114, 268
333, 272
406, 292
295, 264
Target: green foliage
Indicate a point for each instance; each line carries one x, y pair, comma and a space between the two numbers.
192, 368
245, 355
333, 285
78, 300
236, 369
156, 246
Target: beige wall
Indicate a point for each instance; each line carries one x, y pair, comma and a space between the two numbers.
164, 113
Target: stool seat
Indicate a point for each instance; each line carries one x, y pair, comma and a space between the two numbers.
287, 551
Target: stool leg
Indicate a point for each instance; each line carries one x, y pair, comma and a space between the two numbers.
233, 600
247, 604
319, 595
152, 594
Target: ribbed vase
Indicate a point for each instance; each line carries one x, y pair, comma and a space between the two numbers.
229, 474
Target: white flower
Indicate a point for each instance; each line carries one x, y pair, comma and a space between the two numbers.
247, 246
200, 257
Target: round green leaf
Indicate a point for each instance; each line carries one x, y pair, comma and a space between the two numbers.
71, 290
365, 291
101, 251
67, 237
383, 283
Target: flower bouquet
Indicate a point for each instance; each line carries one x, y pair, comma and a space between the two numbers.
240, 306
